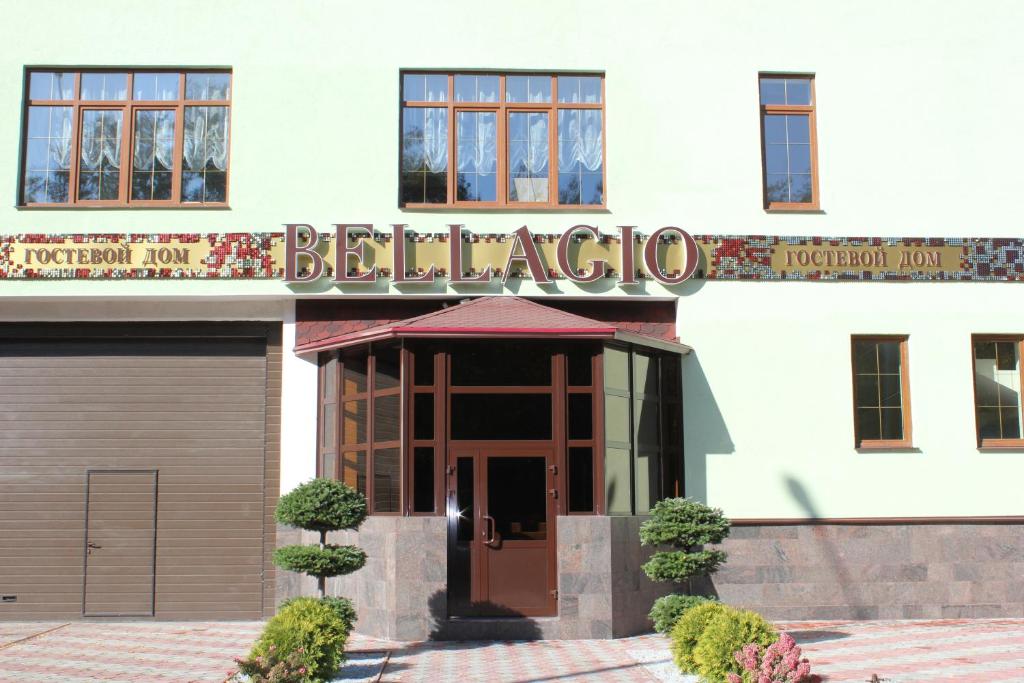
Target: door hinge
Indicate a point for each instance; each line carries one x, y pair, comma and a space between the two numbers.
554, 469
554, 593
553, 493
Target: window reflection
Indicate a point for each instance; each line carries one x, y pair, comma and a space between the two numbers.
997, 383
580, 157
99, 173
477, 138
48, 155
528, 144
424, 155
153, 154
104, 86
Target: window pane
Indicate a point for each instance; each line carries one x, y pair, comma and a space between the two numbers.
424, 155
579, 89
773, 91
155, 86
355, 373
205, 155
207, 86
798, 129
501, 363
501, 416
353, 428
581, 416
580, 157
387, 480
387, 371
104, 86
878, 390
424, 367
775, 129
997, 389
423, 416
517, 497
618, 500
473, 88
892, 423
798, 91
476, 135
48, 155
528, 88
528, 150
353, 470
424, 88
386, 418
153, 154
787, 156
423, 479
581, 480
47, 85
99, 174
580, 365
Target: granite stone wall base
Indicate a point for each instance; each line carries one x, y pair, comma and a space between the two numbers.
884, 571
401, 593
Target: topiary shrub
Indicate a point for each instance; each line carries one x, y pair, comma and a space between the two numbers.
683, 525
342, 607
668, 609
308, 628
687, 632
725, 633
321, 505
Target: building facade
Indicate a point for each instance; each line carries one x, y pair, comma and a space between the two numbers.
516, 276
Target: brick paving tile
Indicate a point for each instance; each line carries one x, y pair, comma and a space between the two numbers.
966, 651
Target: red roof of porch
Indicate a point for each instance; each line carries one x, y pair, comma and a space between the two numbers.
493, 316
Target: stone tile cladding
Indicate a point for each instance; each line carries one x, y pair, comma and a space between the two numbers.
908, 571
401, 593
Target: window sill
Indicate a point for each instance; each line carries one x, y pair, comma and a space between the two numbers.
122, 207
503, 209
887, 446
795, 209
996, 445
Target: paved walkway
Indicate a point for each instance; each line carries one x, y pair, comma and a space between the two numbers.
966, 651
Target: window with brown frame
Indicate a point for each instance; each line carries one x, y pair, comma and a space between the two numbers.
881, 392
152, 137
502, 140
997, 384
789, 145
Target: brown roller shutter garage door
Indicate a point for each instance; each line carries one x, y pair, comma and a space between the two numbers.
135, 474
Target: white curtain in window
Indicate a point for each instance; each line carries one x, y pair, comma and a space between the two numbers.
101, 139
435, 139
60, 147
579, 139
480, 155
206, 138
154, 138
532, 156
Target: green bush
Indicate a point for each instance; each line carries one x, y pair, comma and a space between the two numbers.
343, 607
684, 525
322, 505
331, 560
668, 609
687, 631
725, 634
680, 565
313, 629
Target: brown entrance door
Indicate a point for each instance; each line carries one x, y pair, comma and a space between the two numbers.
503, 532
120, 543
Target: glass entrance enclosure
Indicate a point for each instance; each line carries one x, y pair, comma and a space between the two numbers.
502, 436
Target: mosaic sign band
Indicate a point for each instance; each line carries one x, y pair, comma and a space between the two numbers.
303, 254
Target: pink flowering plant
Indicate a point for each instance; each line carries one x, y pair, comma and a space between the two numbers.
780, 662
273, 668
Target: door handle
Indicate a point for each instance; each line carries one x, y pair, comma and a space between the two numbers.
489, 522
93, 545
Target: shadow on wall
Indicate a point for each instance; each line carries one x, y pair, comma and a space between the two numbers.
826, 546
704, 429
500, 623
